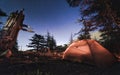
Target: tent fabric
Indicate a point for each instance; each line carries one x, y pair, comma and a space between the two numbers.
89, 51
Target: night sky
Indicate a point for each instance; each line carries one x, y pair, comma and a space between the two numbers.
54, 16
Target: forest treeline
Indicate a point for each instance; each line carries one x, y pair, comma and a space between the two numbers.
96, 15
44, 42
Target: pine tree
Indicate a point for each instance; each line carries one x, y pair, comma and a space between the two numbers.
103, 15
2, 14
71, 39
111, 37
51, 43
84, 33
98, 10
37, 42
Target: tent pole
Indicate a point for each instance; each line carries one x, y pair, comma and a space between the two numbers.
90, 50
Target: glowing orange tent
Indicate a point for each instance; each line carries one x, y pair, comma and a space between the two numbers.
89, 51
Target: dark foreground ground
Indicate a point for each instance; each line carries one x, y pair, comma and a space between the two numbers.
57, 67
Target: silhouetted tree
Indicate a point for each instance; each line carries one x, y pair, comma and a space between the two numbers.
84, 33
98, 11
37, 42
62, 48
2, 14
104, 15
51, 43
111, 37
71, 39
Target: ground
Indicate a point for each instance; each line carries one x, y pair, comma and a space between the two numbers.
57, 67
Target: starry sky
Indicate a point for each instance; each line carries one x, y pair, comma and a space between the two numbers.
54, 16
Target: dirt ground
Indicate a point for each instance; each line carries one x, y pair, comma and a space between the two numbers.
57, 67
